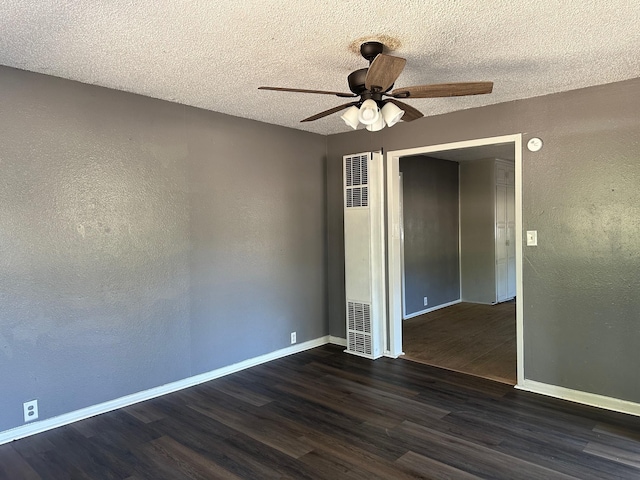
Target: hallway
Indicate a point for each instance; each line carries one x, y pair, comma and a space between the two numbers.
470, 338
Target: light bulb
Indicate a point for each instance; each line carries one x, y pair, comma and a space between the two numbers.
379, 125
369, 112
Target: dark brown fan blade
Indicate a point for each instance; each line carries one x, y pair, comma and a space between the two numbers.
328, 112
383, 71
410, 113
300, 90
443, 90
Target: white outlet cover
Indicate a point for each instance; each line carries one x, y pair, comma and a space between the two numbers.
30, 410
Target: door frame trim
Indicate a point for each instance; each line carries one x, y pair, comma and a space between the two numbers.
393, 240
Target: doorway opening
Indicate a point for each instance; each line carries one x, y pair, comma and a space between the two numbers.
455, 285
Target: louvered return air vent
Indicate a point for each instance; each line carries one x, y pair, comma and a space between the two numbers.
359, 331
357, 197
357, 181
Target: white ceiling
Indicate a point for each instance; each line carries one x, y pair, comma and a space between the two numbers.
215, 54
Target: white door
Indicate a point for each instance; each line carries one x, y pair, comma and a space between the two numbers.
502, 255
401, 193
511, 241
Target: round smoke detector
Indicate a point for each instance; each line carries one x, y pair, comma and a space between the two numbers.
534, 145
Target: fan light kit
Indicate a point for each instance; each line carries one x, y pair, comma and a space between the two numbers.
372, 116
373, 83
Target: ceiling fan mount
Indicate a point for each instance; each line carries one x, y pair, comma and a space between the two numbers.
376, 82
370, 50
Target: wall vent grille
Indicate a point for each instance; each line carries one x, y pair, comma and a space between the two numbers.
357, 197
357, 180
359, 331
357, 170
359, 343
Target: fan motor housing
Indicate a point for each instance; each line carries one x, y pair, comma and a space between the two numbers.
357, 85
356, 81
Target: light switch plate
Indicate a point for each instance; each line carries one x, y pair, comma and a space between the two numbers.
532, 238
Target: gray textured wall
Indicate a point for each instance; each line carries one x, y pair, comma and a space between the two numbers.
431, 218
477, 231
581, 302
142, 242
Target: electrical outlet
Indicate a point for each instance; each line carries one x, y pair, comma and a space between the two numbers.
426, 301
293, 338
30, 410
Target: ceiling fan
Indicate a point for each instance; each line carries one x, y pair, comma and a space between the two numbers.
373, 83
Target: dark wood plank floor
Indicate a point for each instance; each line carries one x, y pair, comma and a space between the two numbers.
466, 337
324, 414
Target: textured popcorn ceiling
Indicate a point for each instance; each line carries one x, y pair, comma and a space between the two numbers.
214, 54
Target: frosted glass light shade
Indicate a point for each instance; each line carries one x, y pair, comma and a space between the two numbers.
379, 125
391, 113
369, 112
350, 117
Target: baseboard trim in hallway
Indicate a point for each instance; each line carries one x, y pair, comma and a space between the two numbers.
429, 310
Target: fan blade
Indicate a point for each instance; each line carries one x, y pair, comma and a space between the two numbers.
328, 112
300, 90
383, 71
443, 90
410, 113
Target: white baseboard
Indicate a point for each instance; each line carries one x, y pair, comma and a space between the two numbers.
388, 354
592, 399
67, 418
428, 310
577, 396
